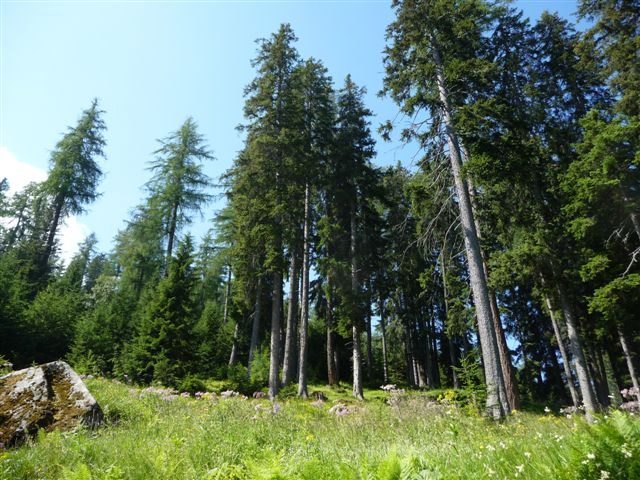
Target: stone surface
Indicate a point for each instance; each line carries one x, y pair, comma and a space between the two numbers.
50, 396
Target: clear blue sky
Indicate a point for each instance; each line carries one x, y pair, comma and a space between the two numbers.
154, 63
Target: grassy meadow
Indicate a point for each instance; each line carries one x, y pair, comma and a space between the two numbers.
151, 436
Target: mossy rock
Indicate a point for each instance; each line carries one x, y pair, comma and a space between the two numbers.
50, 397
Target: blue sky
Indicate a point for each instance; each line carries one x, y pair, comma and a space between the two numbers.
154, 63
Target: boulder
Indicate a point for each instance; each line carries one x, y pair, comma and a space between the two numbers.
50, 396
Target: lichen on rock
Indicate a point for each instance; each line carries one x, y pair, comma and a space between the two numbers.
50, 396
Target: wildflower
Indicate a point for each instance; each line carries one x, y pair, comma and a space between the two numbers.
502, 445
527, 454
591, 456
519, 469
604, 475
491, 448
625, 450
276, 407
547, 410
185, 394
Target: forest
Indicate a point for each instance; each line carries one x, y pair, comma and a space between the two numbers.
504, 268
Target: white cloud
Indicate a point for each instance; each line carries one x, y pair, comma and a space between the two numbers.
19, 175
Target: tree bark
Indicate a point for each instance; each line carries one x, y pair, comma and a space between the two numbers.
227, 294
276, 308
629, 359
510, 383
288, 364
588, 397
233, 358
255, 328
332, 370
51, 237
496, 406
369, 348
304, 312
355, 322
385, 362
566, 361
173, 225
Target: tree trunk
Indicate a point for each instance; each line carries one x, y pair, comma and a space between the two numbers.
614, 387
452, 346
566, 361
588, 397
332, 375
276, 308
255, 328
227, 294
288, 364
628, 357
233, 358
355, 322
385, 361
369, 348
304, 313
496, 406
510, 383
173, 225
53, 229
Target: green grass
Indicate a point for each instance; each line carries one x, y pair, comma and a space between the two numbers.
149, 438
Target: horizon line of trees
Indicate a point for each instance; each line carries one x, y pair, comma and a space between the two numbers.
507, 261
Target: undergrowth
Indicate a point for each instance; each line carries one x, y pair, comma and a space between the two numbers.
148, 437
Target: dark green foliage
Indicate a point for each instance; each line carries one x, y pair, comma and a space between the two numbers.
162, 350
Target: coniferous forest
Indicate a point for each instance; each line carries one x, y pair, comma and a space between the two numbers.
501, 271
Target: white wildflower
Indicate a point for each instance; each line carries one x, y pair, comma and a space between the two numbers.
527, 454
604, 475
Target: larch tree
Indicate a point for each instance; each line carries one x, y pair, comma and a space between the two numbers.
178, 185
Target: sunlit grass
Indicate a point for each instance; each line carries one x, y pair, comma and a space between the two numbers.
185, 438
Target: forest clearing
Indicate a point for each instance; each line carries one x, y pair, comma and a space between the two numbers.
467, 306
391, 436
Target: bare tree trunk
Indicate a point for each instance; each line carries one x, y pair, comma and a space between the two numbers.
614, 388
628, 357
355, 327
171, 234
288, 364
408, 354
255, 328
276, 308
53, 229
588, 397
227, 294
385, 362
233, 358
304, 313
510, 383
369, 348
497, 406
566, 361
452, 346
454, 363
332, 375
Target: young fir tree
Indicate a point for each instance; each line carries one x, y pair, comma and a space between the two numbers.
163, 349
